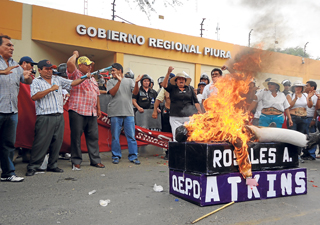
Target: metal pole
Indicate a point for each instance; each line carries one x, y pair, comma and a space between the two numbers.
113, 5
201, 27
304, 50
249, 37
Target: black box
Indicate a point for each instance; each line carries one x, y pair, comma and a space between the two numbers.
218, 158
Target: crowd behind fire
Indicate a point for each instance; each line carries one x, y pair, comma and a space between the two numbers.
128, 101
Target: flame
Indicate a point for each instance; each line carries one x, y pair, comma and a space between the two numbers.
226, 116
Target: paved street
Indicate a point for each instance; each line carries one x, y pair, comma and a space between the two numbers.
63, 198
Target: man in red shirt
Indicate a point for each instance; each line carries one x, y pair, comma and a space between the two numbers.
84, 110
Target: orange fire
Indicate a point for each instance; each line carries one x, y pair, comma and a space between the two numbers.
226, 115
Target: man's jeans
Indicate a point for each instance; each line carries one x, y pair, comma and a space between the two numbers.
8, 127
129, 129
312, 129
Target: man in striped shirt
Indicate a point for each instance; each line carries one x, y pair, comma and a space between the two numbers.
46, 91
11, 74
84, 110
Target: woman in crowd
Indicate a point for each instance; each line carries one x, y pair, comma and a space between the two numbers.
274, 104
298, 107
184, 102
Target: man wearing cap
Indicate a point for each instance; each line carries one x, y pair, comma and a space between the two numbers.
27, 64
201, 87
84, 110
120, 111
11, 74
46, 91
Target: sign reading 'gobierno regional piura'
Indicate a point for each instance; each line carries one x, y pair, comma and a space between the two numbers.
152, 42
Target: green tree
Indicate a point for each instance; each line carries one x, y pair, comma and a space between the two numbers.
297, 51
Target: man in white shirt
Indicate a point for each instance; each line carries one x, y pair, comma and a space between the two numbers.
311, 87
210, 88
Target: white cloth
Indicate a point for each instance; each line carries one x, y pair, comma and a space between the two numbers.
279, 102
208, 90
65, 92
176, 122
199, 97
259, 106
310, 111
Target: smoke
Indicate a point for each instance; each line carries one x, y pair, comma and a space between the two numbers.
269, 23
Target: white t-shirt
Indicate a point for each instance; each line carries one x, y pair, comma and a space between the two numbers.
199, 97
259, 106
279, 102
208, 90
310, 111
301, 102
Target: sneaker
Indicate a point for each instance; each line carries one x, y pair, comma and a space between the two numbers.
76, 167
13, 178
115, 161
136, 161
65, 156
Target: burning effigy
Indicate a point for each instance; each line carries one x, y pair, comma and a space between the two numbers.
221, 158
226, 117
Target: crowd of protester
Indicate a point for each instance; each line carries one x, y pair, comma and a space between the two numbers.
128, 101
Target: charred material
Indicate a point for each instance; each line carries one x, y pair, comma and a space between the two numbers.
181, 134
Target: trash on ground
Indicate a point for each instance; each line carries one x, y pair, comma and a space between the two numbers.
314, 169
39, 172
103, 175
104, 202
157, 188
45, 162
176, 200
311, 181
71, 178
92, 192
314, 185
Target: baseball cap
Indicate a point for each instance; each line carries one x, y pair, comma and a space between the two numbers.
46, 63
28, 60
202, 83
84, 60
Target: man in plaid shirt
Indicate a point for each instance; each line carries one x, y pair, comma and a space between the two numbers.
84, 110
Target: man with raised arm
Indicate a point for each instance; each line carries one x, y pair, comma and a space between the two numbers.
120, 111
11, 74
84, 110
